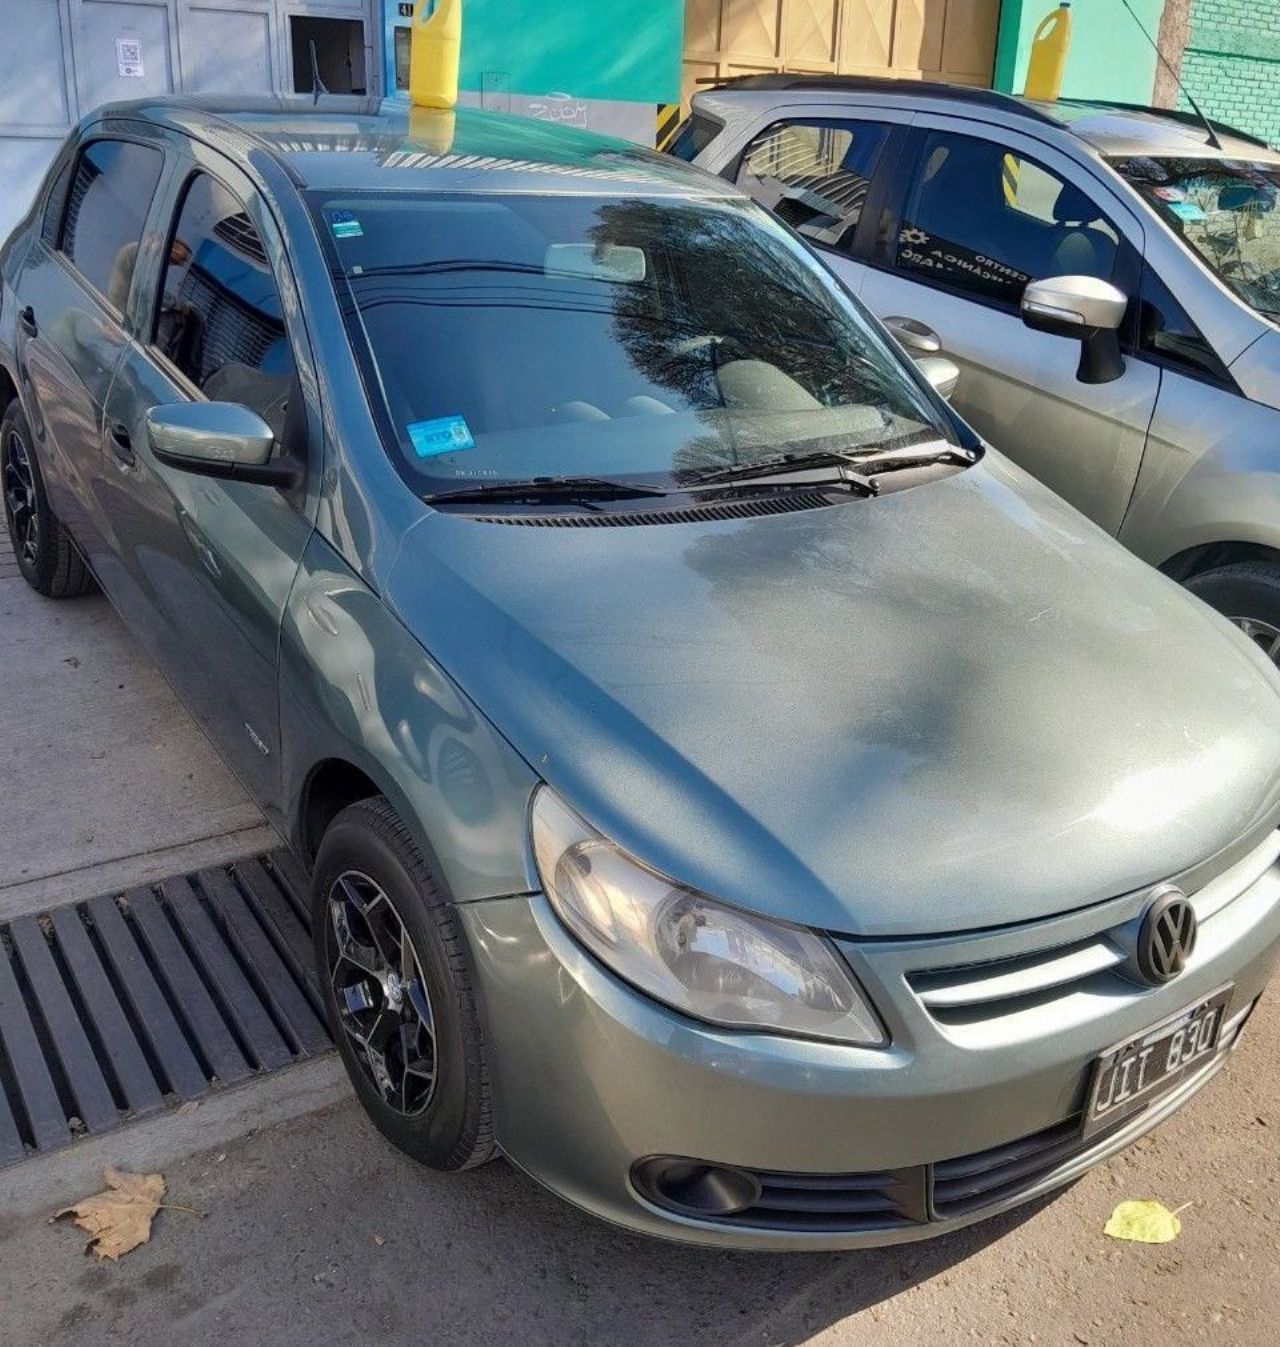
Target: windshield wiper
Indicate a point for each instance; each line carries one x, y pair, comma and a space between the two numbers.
580, 490
773, 467
864, 465
891, 460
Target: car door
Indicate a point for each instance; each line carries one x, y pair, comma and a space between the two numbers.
819, 173
210, 562
72, 329
1200, 411
980, 213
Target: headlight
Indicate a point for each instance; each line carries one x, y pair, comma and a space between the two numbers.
691, 952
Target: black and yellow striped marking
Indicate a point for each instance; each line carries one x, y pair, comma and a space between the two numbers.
667, 124
1009, 179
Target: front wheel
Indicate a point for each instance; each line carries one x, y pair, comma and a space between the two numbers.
1248, 593
396, 975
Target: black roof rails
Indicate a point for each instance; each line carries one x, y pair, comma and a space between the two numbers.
1181, 115
883, 84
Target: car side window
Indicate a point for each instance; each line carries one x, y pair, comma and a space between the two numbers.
220, 320
1167, 335
693, 135
107, 205
814, 174
986, 221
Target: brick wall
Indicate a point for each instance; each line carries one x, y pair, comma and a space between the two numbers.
1232, 63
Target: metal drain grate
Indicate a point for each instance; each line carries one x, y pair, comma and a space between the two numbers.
125, 1004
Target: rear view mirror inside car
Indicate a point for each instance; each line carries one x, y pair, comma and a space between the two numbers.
613, 262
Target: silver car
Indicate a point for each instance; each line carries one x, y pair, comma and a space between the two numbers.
1106, 278
731, 791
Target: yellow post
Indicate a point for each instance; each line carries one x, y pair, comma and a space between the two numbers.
436, 47
1049, 55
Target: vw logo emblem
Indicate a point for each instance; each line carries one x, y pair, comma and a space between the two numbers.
1167, 936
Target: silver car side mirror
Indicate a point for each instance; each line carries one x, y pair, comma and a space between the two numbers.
217, 439
1086, 308
942, 374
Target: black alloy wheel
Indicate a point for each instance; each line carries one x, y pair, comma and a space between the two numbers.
381, 995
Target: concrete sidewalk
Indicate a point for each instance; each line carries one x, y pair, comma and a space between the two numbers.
107, 780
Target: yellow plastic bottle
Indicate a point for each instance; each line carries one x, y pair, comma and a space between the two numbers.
434, 52
1049, 46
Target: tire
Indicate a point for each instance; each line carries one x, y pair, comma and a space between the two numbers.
1248, 593
46, 556
368, 871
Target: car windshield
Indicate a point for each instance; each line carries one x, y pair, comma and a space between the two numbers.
646, 340
1225, 211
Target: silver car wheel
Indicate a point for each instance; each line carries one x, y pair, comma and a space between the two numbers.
1262, 634
381, 995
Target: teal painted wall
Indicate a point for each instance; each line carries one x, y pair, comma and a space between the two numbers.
626, 49
605, 49
1232, 63
1108, 58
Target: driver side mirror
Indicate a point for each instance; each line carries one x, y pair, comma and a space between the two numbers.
1084, 307
218, 439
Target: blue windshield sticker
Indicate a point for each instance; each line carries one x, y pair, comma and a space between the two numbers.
444, 435
345, 225
1186, 210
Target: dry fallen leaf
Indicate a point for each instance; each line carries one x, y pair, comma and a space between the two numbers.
120, 1218
1144, 1222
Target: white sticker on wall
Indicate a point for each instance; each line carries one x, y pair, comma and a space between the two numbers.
129, 58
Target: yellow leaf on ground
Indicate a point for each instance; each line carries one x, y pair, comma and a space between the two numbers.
1145, 1222
120, 1218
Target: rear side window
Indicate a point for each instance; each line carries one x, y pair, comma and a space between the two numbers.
814, 174
220, 319
107, 207
693, 136
986, 222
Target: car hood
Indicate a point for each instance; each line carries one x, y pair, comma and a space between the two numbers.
952, 707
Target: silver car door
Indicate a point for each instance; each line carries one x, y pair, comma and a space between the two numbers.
985, 210
1205, 473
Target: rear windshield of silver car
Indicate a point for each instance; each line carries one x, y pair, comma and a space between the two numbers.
510, 337
1224, 210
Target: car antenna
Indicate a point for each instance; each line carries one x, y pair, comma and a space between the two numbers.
1177, 79
317, 84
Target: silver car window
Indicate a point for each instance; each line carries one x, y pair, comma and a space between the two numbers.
814, 174
986, 220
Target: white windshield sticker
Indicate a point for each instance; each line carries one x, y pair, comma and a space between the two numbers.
443, 435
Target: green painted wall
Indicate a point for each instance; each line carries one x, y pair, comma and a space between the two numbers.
1108, 58
623, 49
1232, 63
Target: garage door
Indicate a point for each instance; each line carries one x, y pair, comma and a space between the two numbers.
952, 40
62, 58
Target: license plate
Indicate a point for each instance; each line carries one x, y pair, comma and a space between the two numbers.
1133, 1073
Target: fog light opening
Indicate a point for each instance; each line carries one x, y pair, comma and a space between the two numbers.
694, 1187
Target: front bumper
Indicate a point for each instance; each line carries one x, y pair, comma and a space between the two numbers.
590, 1076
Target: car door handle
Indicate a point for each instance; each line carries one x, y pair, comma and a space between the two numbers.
914, 335
121, 444
27, 321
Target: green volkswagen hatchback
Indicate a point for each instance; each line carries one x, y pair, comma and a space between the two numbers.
731, 790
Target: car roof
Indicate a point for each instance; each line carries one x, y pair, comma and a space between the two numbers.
1113, 129
384, 145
